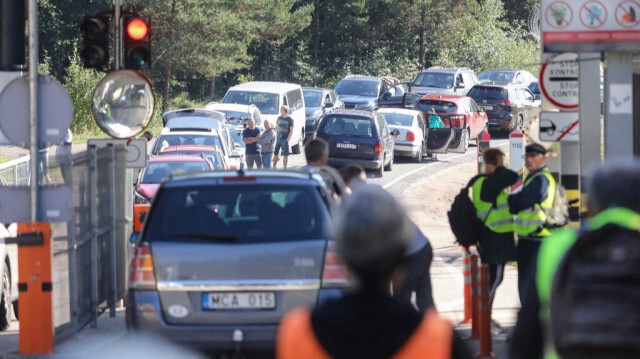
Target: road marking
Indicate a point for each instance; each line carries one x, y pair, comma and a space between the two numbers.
388, 185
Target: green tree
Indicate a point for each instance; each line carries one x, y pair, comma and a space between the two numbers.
80, 83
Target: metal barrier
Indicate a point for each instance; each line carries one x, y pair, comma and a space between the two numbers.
91, 252
15, 172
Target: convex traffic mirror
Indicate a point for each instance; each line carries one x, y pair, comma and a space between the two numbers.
123, 103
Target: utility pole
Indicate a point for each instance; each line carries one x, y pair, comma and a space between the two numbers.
33, 106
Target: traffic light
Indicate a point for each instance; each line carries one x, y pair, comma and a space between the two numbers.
137, 41
95, 46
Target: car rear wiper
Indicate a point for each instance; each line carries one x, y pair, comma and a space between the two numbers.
209, 236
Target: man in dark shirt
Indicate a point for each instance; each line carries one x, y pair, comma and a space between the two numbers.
284, 123
250, 137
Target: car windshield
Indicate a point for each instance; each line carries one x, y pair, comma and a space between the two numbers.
235, 115
237, 138
506, 76
434, 79
246, 213
312, 98
398, 119
183, 139
347, 126
357, 88
154, 172
212, 156
437, 105
535, 88
266, 102
481, 93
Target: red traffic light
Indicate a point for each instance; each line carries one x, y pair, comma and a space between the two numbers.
137, 29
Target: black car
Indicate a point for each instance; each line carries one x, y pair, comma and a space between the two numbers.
508, 106
515, 76
360, 137
317, 102
369, 92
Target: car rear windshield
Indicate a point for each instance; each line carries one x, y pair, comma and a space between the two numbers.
437, 105
266, 102
350, 126
505, 76
238, 213
183, 139
154, 172
357, 88
441, 80
480, 93
312, 98
212, 156
398, 119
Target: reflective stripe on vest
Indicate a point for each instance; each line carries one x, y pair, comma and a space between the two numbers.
531, 220
296, 339
498, 219
553, 250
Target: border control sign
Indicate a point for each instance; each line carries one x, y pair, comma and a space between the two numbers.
590, 25
559, 81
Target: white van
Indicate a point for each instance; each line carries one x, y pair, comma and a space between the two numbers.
268, 97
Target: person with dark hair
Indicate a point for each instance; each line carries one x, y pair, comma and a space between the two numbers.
603, 312
250, 137
490, 198
353, 175
316, 153
373, 233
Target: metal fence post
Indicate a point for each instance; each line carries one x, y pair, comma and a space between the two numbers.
112, 232
73, 263
93, 208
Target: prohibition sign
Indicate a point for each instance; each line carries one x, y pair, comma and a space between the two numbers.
628, 13
559, 14
593, 14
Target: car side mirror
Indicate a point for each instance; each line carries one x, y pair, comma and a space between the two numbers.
235, 154
328, 105
386, 95
536, 97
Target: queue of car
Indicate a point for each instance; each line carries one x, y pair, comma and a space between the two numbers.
223, 254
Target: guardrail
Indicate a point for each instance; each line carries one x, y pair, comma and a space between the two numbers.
15, 172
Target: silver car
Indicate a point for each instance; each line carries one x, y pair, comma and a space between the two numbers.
222, 256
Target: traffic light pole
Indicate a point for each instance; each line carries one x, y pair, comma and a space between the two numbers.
117, 33
33, 106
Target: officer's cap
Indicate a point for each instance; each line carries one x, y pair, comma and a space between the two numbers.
535, 149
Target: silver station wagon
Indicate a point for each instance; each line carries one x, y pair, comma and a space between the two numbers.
222, 256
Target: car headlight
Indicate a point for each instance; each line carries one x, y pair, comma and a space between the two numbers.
139, 199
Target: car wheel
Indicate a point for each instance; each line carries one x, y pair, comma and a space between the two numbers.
465, 139
297, 148
418, 157
5, 301
389, 165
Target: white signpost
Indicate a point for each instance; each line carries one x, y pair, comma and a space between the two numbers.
559, 80
559, 126
516, 158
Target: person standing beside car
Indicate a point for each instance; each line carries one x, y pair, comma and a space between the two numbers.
284, 124
250, 136
267, 142
490, 198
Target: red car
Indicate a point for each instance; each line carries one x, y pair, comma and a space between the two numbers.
212, 153
460, 112
160, 167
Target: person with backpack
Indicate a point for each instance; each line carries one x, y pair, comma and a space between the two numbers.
373, 233
586, 300
530, 206
490, 198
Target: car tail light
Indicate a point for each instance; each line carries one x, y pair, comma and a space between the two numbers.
378, 149
505, 102
335, 272
410, 136
141, 274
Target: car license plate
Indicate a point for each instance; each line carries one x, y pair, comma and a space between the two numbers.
488, 108
239, 300
348, 146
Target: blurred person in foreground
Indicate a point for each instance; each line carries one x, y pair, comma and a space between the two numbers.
373, 233
316, 152
417, 259
586, 301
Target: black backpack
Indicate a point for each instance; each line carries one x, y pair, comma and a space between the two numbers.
595, 298
463, 218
